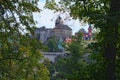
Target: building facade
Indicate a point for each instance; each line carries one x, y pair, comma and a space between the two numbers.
60, 31
87, 35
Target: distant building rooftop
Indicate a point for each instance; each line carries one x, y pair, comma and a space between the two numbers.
60, 26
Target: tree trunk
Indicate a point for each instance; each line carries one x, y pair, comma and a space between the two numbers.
110, 56
111, 37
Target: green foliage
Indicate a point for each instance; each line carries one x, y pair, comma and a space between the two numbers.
45, 49
104, 14
72, 66
52, 45
19, 52
96, 61
92, 11
20, 57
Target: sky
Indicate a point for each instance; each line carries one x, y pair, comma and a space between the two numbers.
47, 18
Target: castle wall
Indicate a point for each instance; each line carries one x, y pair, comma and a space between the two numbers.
62, 33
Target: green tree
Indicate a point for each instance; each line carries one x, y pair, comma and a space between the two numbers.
73, 65
105, 14
19, 52
52, 45
96, 67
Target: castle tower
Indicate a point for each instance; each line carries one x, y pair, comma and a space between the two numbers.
90, 31
61, 30
58, 21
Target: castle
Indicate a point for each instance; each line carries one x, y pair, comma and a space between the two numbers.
60, 31
87, 35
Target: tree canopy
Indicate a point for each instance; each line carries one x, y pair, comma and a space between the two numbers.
104, 14
20, 57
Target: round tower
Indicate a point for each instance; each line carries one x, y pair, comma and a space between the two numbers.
58, 21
